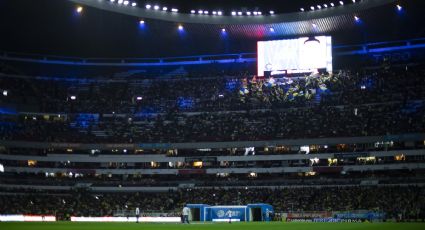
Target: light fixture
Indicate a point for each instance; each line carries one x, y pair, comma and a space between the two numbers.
133, 4
148, 6
219, 13
302, 9
175, 10
192, 11
233, 13
79, 9
271, 12
164, 8
156, 7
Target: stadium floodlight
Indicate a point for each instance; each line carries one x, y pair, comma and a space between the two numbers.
5, 93
332, 4
112, 0
214, 12
200, 11
133, 4
325, 5
164, 8
148, 6
139, 98
319, 7
1, 168
271, 12
399, 7
341, 3
180, 27
255, 13
73, 97
248, 13
223, 30
206, 12
312, 8
354, 1
302, 9
126, 2
141, 22
120, 1
220, 13
233, 13
260, 13
357, 19
192, 11
175, 10
79, 9
240, 13
156, 7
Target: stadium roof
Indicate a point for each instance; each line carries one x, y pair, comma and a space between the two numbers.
55, 27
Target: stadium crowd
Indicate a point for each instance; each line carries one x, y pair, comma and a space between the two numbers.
393, 200
220, 109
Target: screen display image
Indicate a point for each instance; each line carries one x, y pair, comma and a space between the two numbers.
294, 55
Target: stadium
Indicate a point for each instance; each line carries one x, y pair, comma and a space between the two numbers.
212, 114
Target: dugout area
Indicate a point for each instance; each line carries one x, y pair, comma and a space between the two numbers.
234, 213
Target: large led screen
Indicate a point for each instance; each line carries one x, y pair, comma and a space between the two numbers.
294, 55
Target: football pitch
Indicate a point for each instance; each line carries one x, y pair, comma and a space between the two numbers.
209, 226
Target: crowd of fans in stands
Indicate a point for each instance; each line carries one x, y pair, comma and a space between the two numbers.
221, 109
393, 200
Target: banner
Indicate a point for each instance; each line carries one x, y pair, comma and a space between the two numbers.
361, 215
226, 212
324, 220
26, 218
126, 219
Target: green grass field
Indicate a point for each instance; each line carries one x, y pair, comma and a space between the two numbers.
210, 226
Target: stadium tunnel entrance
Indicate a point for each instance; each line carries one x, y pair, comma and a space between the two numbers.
256, 214
195, 214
